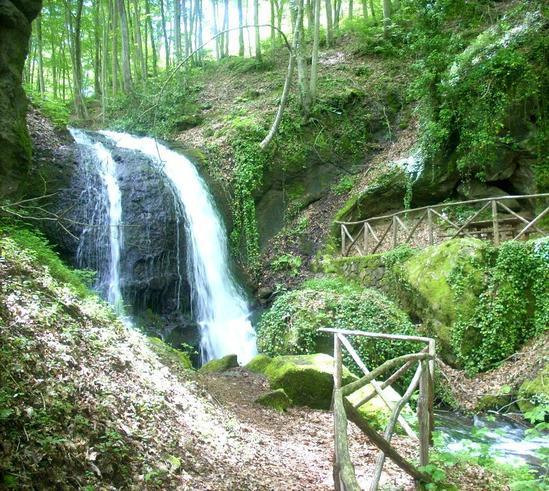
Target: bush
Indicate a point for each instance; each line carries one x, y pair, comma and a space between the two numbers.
513, 307
291, 325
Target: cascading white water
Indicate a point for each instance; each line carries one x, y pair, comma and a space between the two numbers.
219, 307
107, 173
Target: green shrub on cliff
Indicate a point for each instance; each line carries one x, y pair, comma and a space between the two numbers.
512, 308
291, 325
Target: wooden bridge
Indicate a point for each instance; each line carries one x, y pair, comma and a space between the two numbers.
344, 473
495, 220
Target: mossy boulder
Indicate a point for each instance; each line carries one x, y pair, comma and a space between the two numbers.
534, 391
259, 363
384, 194
375, 410
425, 288
220, 365
306, 379
169, 354
277, 399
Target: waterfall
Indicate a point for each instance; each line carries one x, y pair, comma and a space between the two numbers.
106, 216
219, 307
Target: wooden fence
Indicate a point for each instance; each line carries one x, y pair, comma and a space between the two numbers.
344, 473
432, 224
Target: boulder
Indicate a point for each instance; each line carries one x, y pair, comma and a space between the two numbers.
474, 189
277, 399
427, 292
306, 379
220, 365
259, 363
534, 391
375, 411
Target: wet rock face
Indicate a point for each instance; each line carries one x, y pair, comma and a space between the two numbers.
153, 262
15, 30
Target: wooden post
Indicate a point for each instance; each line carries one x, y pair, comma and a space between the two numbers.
366, 238
430, 224
338, 367
431, 394
395, 230
343, 237
495, 223
423, 414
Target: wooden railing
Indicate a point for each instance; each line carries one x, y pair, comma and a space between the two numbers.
431, 224
344, 473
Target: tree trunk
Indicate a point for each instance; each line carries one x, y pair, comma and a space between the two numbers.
177, 28
365, 9
329, 27
285, 92
40, 48
314, 55
257, 34
386, 16
302, 77
126, 68
151, 31
240, 29
225, 27
165, 33
351, 9
139, 41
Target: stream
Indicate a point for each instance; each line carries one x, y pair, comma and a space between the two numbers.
498, 437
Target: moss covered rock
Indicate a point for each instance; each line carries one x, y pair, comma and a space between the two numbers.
277, 399
220, 365
535, 391
375, 410
169, 354
306, 379
425, 287
259, 363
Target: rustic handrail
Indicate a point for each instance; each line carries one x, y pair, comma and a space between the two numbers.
446, 205
344, 473
394, 230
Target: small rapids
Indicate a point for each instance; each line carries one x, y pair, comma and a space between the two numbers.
501, 439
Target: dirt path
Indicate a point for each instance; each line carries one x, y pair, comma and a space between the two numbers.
293, 449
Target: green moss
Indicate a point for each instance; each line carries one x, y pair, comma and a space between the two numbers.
220, 365
36, 246
385, 193
169, 354
306, 379
277, 399
375, 410
259, 363
535, 391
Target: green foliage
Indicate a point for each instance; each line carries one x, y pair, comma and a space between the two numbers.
482, 95
287, 262
250, 162
344, 185
291, 325
56, 110
513, 307
160, 108
19, 238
